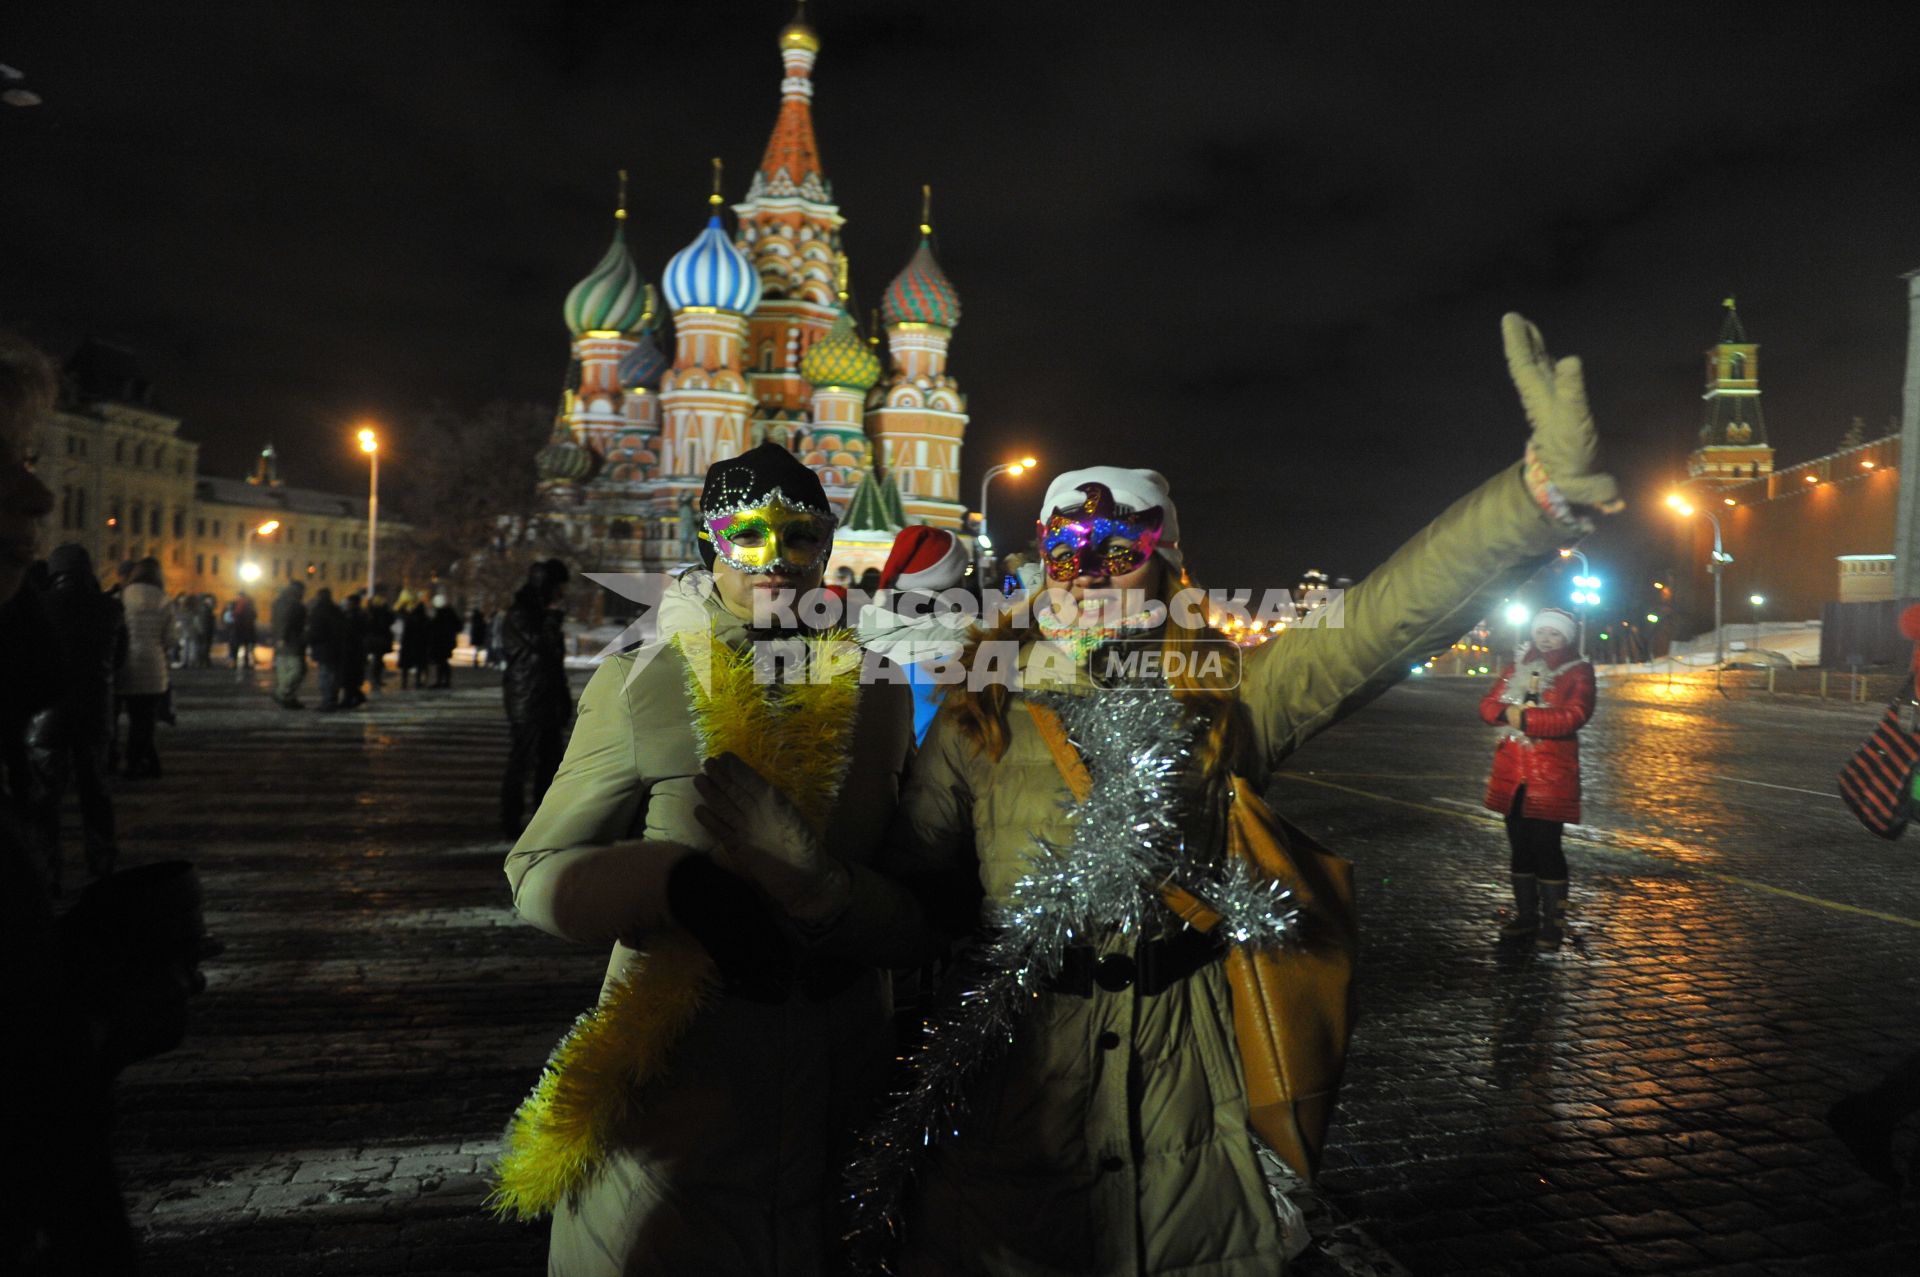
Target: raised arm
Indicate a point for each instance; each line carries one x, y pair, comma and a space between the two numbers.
1449, 575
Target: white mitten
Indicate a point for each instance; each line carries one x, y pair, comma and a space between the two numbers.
1564, 442
760, 836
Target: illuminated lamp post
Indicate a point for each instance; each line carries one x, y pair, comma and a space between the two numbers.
249, 570
985, 542
370, 444
1717, 567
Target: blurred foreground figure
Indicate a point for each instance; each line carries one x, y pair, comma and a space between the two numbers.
68, 739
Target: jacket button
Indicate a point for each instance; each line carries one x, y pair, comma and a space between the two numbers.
1111, 1164
1114, 972
1108, 1040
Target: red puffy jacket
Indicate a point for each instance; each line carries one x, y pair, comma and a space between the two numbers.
1545, 756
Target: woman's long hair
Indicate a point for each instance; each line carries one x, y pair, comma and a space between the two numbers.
981, 713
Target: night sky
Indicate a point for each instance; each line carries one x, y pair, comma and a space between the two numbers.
1263, 248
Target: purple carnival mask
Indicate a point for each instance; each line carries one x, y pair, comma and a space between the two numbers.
1094, 539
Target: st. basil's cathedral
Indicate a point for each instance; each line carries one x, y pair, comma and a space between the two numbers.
764, 348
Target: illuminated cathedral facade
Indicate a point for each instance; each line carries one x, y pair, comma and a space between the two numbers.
763, 346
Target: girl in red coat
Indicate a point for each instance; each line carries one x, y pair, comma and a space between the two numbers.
1540, 704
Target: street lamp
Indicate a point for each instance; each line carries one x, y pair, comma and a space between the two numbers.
249, 570
1717, 567
1756, 600
370, 444
1014, 468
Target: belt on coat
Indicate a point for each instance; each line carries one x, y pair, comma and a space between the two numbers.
1154, 966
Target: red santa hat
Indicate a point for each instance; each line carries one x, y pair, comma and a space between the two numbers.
924, 558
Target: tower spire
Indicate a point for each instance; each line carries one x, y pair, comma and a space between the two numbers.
926, 212
620, 213
719, 172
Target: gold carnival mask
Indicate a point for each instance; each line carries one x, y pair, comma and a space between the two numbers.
768, 533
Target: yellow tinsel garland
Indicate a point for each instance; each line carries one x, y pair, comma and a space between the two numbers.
795, 734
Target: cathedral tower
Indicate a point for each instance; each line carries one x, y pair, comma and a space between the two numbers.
919, 416
790, 231
704, 402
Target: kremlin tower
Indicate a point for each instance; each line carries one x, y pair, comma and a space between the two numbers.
764, 347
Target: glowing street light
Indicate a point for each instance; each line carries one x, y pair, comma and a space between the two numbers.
1014, 468
1717, 567
249, 570
370, 444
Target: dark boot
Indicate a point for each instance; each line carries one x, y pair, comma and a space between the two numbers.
1526, 909
1553, 913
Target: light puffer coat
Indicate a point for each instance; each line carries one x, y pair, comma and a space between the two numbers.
738, 1169
1113, 1138
150, 630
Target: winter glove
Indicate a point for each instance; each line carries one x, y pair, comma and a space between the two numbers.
760, 836
1560, 454
736, 927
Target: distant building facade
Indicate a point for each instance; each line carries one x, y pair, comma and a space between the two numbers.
126, 485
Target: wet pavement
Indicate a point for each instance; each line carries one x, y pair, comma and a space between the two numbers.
1647, 1100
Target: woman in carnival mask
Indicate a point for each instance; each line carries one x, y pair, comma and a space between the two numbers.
739, 1115
1112, 1134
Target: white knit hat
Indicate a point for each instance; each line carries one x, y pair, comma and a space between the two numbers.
1556, 619
1135, 489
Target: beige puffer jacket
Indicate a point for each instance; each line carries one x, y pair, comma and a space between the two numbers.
1113, 1138
738, 1168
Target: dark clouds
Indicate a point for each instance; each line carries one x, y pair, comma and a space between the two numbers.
1262, 247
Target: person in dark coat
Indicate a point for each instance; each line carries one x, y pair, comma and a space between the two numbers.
415, 642
289, 622
538, 700
243, 633
353, 653
68, 739
1540, 702
379, 640
326, 631
446, 638
477, 631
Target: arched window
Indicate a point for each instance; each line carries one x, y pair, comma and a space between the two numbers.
119, 452
1737, 366
140, 454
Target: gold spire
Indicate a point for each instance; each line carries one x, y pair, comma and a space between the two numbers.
840, 278
719, 169
1727, 302
620, 213
926, 211
797, 34
873, 327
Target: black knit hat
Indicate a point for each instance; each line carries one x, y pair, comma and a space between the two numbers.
755, 475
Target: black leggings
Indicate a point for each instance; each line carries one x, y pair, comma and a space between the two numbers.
1535, 843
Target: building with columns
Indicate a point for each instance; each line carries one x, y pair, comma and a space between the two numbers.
752, 335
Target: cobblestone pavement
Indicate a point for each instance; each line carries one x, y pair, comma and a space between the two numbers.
1648, 1100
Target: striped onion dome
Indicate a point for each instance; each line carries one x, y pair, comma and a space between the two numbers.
841, 359
711, 272
643, 364
613, 297
921, 294
564, 461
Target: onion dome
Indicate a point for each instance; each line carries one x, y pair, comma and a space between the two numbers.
613, 297
643, 364
564, 461
841, 359
797, 34
711, 273
921, 294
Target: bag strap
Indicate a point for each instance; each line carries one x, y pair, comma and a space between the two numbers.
1073, 770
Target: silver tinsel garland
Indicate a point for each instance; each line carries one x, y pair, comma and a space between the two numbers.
1129, 842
